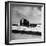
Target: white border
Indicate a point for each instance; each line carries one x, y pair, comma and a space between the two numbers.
9, 21
42, 23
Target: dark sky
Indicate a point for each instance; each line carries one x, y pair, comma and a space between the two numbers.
32, 14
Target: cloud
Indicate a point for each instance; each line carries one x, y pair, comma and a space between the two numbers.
33, 14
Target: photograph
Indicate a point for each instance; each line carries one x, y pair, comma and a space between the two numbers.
24, 22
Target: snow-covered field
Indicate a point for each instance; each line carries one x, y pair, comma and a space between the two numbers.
20, 28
